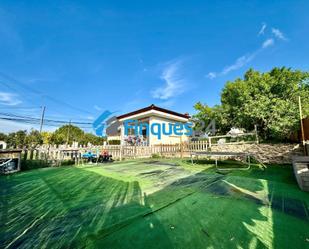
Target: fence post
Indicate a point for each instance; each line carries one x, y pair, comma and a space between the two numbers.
120, 153
25, 154
256, 134
181, 150
209, 141
31, 154
19, 161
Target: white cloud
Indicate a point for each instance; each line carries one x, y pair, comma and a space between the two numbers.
174, 83
262, 30
245, 59
97, 108
277, 33
9, 99
90, 117
242, 60
268, 43
211, 75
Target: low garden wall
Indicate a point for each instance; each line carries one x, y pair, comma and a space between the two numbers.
266, 153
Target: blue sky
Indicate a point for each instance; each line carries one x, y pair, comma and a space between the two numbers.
80, 58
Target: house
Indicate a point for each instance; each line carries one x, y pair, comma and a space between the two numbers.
153, 125
113, 129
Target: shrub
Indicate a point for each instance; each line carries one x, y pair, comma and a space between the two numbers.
34, 164
114, 142
37, 164
155, 155
67, 162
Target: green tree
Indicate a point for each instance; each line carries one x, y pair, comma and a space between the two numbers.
67, 134
33, 139
47, 137
91, 138
3, 137
269, 100
207, 114
17, 139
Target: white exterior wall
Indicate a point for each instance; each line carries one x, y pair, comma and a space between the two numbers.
165, 139
155, 116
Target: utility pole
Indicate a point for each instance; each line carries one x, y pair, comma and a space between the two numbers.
42, 118
68, 134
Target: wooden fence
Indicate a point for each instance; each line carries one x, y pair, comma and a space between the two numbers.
119, 152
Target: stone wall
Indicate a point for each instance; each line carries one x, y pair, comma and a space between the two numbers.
266, 153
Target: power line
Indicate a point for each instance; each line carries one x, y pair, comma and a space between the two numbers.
57, 119
45, 120
37, 122
28, 88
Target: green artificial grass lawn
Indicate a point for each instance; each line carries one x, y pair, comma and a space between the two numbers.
153, 204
